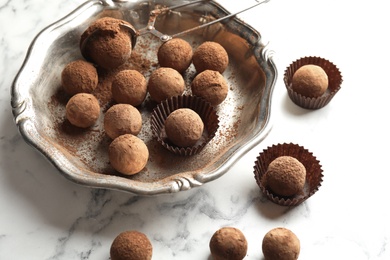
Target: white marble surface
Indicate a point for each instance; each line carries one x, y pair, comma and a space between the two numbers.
45, 216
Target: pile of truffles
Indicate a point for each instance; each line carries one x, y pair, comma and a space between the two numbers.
106, 45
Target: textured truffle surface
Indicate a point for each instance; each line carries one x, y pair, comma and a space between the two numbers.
83, 110
228, 243
310, 81
129, 87
122, 119
184, 127
211, 86
280, 244
128, 154
210, 56
131, 245
165, 83
79, 76
175, 54
285, 176
107, 43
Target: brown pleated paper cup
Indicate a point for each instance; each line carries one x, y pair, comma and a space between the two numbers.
204, 109
313, 172
334, 84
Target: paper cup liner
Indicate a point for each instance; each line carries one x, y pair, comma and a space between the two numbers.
313, 172
334, 78
204, 109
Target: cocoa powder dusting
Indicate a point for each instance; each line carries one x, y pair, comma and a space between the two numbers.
103, 90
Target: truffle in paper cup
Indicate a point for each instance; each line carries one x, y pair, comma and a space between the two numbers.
204, 109
313, 172
334, 79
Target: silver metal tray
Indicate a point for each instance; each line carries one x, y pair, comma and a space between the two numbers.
81, 156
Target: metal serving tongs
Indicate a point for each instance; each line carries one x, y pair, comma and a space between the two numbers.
164, 37
134, 34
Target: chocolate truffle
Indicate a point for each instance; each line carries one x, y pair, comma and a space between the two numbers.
280, 244
285, 176
128, 154
211, 86
228, 243
107, 42
175, 54
83, 110
210, 56
122, 119
184, 127
310, 81
79, 77
165, 83
129, 87
131, 245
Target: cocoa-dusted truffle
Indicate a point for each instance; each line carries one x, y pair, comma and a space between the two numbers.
128, 154
129, 87
184, 127
83, 110
122, 119
211, 86
175, 54
310, 81
285, 176
228, 243
131, 245
165, 83
107, 42
210, 56
79, 76
281, 244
